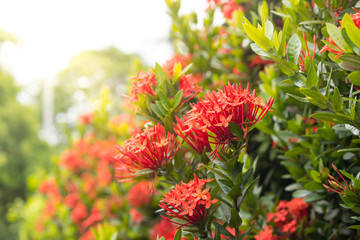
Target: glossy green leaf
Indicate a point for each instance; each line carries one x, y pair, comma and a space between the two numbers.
264, 13
336, 98
258, 37
234, 192
336, 36
314, 197
312, 77
223, 231
178, 234
235, 219
354, 33
354, 77
282, 37
293, 49
315, 97
177, 98
269, 29
236, 130
287, 68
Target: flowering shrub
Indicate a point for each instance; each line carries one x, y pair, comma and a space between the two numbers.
251, 131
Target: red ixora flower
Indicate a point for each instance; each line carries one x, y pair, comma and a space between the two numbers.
189, 201
229, 8
138, 195
285, 220
163, 229
177, 58
150, 149
143, 84
210, 117
196, 138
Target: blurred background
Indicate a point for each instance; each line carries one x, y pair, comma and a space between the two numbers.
54, 58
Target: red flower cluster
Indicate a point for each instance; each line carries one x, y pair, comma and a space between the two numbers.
88, 162
139, 195
183, 60
333, 47
86, 118
259, 61
150, 149
144, 83
189, 201
285, 220
196, 138
163, 229
229, 8
210, 117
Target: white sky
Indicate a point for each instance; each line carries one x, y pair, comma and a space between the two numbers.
52, 31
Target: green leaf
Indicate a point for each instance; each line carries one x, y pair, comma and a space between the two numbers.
264, 13
293, 49
234, 192
235, 219
314, 197
177, 98
236, 130
349, 66
246, 232
258, 50
330, 117
287, 68
282, 36
355, 227
178, 234
269, 29
320, 3
354, 33
301, 99
315, 97
258, 37
218, 172
336, 98
223, 231
354, 77
299, 80
312, 77
335, 34
313, 186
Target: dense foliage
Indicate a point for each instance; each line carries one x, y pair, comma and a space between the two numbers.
251, 131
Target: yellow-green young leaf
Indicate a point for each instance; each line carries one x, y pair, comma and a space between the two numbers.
336, 36
346, 19
354, 33
269, 29
177, 71
312, 77
237, 19
354, 77
276, 41
258, 37
264, 12
282, 37
336, 98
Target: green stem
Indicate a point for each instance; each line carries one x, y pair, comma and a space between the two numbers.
237, 232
